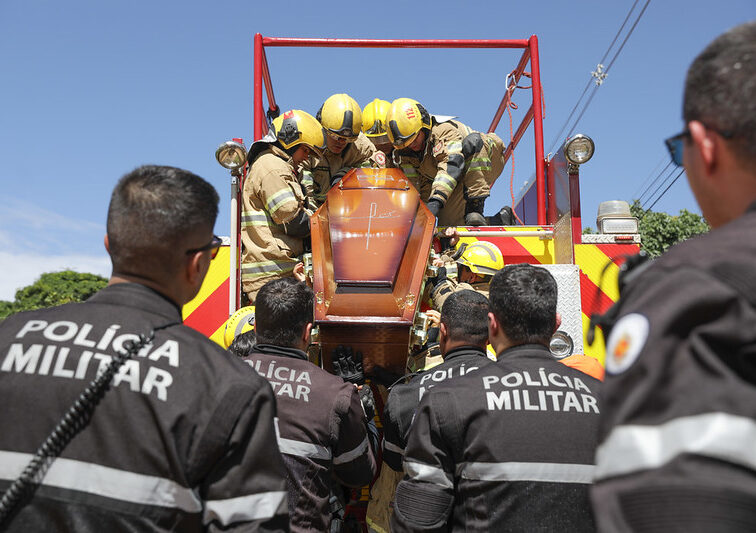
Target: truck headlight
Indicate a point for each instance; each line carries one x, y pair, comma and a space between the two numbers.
231, 155
579, 149
561, 345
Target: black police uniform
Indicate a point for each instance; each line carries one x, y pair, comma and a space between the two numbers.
321, 432
508, 448
678, 427
404, 398
183, 440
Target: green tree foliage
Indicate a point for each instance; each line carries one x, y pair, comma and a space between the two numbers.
54, 288
659, 230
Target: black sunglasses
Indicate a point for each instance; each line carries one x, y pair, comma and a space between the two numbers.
214, 245
675, 143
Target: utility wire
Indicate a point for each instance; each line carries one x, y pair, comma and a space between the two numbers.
665, 190
653, 183
656, 168
614, 58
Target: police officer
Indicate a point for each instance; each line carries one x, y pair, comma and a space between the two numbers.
275, 209
321, 423
451, 165
374, 126
462, 339
475, 267
183, 439
677, 432
509, 447
346, 147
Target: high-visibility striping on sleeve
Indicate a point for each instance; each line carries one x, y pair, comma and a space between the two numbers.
543, 472
361, 449
303, 449
430, 474
278, 199
631, 448
259, 506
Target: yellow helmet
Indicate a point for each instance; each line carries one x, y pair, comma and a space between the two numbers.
404, 120
298, 127
483, 258
374, 120
341, 115
241, 321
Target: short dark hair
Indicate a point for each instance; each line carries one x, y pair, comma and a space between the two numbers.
243, 344
524, 301
283, 307
152, 212
720, 88
465, 316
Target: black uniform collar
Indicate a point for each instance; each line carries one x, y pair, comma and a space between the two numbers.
270, 349
140, 297
464, 350
525, 350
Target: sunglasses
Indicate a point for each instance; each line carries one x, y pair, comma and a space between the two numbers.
343, 138
675, 143
214, 245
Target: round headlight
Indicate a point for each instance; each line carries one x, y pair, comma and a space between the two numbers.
231, 155
561, 345
579, 149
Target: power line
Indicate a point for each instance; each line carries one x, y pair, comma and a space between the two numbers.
664, 158
665, 190
655, 181
600, 74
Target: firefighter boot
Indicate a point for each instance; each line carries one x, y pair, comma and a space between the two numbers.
503, 218
474, 212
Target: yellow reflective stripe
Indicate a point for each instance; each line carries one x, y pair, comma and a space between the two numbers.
255, 218
410, 172
454, 147
279, 198
262, 268
480, 163
307, 178
444, 181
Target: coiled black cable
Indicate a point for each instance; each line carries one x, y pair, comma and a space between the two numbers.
76, 418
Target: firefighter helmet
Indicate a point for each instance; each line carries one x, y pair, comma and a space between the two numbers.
241, 321
341, 115
374, 121
483, 258
404, 120
298, 127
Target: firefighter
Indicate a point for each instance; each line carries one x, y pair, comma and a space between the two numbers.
509, 447
676, 436
476, 265
275, 209
183, 439
451, 165
346, 147
322, 426
374, 126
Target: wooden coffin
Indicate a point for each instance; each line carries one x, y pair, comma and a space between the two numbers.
371, 240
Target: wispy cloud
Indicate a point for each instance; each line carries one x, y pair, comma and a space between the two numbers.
34, 241
19, 269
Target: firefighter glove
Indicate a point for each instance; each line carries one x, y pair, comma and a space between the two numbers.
368, 401
434, 206
347, 365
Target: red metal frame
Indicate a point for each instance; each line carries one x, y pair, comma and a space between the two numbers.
534, 114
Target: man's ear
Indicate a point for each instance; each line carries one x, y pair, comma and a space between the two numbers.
107, 243
706, 144
558, 321
193, 269
493, 327
306, 334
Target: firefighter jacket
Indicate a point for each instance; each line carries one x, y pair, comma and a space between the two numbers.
317, 177
508, 448
442, 290
676, 443
272, 197
454, 155
321, 432
404, 398
183, 439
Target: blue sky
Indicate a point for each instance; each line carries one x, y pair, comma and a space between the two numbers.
92, 89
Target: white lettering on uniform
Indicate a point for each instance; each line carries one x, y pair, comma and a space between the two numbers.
129, 372
81, 338
20, 360
170, 350
60, 369
32, 325
69, 331
159, 380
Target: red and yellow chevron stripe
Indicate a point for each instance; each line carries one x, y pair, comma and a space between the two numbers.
208, 311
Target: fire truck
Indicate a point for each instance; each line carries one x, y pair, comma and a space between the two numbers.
374, 298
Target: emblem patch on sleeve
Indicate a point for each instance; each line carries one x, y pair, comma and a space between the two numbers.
438, 147
626, 342
380, 158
